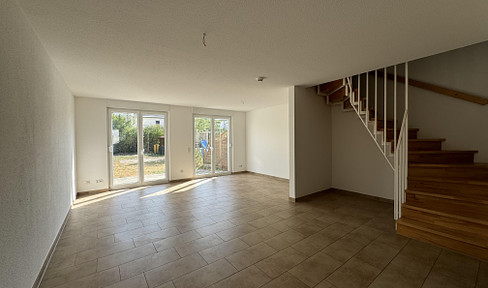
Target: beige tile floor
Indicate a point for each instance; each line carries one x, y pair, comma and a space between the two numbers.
241, 231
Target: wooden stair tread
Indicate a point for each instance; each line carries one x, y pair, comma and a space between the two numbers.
473, 171
443, 152
330, 87
427, 140
458, 208
467, 210
445, 165
445, 242
338, 95
450, 180
471, 238
462, 198
458, 225
441, 156
398, 129
451, 214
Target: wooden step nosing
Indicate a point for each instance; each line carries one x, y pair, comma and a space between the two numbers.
447, 223
445, 214
336, 90
447, 165
440, 152
428, 140
449, 180
398, 130
449, 197
443, 234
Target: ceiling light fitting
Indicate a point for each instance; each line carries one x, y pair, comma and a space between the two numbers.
204, 39
260, 78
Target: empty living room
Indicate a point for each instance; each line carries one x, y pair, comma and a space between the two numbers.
173, 144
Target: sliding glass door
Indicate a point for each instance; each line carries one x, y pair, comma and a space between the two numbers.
211, 145
137, 148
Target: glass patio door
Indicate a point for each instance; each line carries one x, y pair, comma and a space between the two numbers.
203, 145
221, 145
211, 145
137, 148
154, 147
124, 146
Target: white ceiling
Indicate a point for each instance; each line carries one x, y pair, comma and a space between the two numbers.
149, 50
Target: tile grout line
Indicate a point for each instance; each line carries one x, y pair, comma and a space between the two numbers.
307, 257
352, 255
477, 274
384, 268
432, 267
145, 279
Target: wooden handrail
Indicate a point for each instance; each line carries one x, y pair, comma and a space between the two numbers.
438, 89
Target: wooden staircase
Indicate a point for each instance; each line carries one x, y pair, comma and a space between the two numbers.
446, 202
447, 198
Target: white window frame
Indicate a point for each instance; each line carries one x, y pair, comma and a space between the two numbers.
140, 147
212, 133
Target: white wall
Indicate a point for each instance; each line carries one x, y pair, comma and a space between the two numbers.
312, 171
92, 139
267, 143
462, 123
181, 137
36, 150
357, 163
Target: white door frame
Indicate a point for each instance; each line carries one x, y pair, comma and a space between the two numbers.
229, 145
140, 147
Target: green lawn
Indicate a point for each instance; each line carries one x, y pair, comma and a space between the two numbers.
126, 165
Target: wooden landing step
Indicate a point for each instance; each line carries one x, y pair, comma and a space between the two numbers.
442, 157
472, 245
